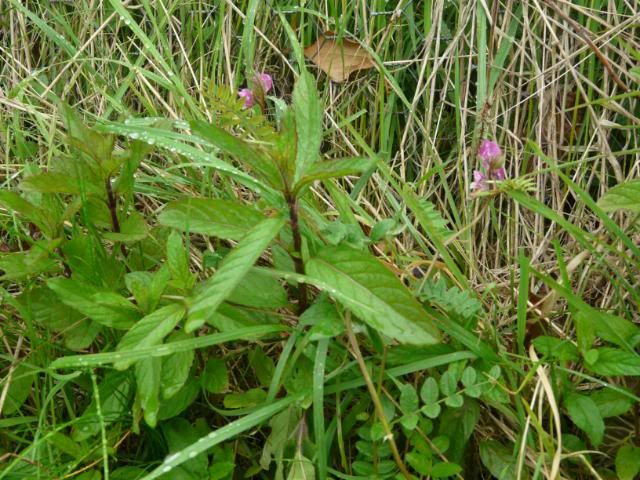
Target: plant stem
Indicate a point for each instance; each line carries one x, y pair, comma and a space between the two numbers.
112, 203
297, 254
374, 397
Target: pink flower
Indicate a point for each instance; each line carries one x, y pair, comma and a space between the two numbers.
247, 94
264, 82
479, 181
491, 156
488, 151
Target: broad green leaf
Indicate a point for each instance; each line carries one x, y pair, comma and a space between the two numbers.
148, 388
150, 330
215, 377
625, 196
103, 306
14, 203
262, 365
239, 149
51, 182
301, 468
335, 168
233, 269
324, 319
259, 290
88, 140
35, 261
628, 462
96, 359
373, 293
179, 434
445, 469
612, 362
499, 460
219, 218
585, 414
179, 402
178, 262
611, 403
175, 367
147, 287
19, 388
250, 398
132, 229
230, 430
308, 114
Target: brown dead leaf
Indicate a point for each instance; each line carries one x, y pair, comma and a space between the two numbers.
338, 58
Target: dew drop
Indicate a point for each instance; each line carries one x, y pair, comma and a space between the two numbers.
151, 141
134, 135
192, 454
166, 469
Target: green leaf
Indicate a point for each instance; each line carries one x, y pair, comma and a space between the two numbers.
259, 290
15, 203
179, 434
101, 305
612, 362
51, 182
301, 468
308, 114
179, 402
373, 293
625, 196
175, 367
233, 269
553, 347
499, 460
147, 287
262, 365
585, 414
429, 391
178, 262
445, 469
219, 218
335, 168
150, 330
611, 403
215, 377
35, 261
628, 462
148, 388
408, 398
133, 229
250, 398
19, 389
242, 151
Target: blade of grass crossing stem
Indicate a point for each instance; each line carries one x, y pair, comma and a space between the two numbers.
280, 366
318, 406
523, 297
97, 359
220, 435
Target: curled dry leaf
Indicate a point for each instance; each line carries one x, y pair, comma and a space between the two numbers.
338, 58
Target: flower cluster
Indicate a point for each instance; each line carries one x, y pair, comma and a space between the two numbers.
261, 81
492, 164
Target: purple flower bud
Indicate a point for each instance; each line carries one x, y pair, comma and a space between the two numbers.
479, 181
265, 80
488, 151
248, 97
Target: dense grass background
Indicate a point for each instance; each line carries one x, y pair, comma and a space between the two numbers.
554, 83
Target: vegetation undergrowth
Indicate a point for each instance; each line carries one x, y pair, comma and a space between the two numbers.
332, 240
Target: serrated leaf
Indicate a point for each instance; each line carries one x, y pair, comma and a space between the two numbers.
148, 388
35, 261
373, 293
147, 287
612, 362
625, 196
335, 169
133, 229
259, 290
233, 269
14, 203
175, 367
51, 182
611, 403
178, 262
628, 462
585, 414
499, 460
308, 115
219, 218
103, 306
150, 330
